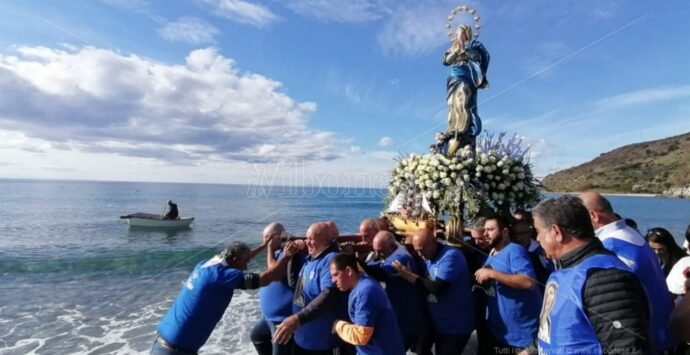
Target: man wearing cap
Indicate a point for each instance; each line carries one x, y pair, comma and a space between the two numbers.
207, 293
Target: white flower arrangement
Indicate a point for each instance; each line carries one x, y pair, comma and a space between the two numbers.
495, 175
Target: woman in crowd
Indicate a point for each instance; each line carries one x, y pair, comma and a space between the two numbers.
665, 247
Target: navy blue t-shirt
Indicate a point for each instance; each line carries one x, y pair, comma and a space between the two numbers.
368, 306
453, 311
200, 305
405, 298
512, 313
275, 299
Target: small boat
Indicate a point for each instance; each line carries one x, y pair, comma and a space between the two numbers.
156, 221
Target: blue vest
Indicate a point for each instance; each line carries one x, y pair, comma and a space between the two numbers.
314, 277
564, 327
645, 265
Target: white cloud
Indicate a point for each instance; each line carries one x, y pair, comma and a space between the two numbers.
414, 29
190, 30
386, 142
337, 11
242, 12
100, 101
642, 97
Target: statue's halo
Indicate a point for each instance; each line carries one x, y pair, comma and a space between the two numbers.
460, 9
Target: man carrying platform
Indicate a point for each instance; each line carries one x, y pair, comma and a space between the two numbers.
207, 293
316, 301
406, 299
513, 300
593, 304
446, 285
373, 329
275, 300
630, 246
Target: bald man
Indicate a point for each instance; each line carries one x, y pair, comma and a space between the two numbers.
275, 300
446, 284
407, 301
630, 246
316, 300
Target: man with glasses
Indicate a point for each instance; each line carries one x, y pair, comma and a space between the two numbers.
593, 304
522, 232
634, 251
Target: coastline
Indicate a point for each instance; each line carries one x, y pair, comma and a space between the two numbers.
624, 194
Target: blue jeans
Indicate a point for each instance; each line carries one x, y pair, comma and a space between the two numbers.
261, 336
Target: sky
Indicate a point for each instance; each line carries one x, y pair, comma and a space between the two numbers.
321, 92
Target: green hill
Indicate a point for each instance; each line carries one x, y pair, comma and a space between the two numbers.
657, 167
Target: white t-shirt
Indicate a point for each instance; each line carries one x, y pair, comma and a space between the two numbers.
675, 280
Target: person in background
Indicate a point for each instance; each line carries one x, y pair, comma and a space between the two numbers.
514, 299
171, 211
523, 233
476, 253
665, 248
680, 320
630, 246
207, 293
593, 304
275, 300
372, 328
676, 278
446, 285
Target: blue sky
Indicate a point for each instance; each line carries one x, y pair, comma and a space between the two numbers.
320, 91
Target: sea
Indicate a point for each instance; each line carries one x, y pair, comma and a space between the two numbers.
75, 278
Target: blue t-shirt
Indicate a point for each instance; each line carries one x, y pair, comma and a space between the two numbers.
368, 306
405, 298
453, 311
275, 299
200, 305
314, 277
512, 313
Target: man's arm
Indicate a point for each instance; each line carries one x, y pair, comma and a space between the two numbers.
518, 281
616, 305
435, 287
352, 333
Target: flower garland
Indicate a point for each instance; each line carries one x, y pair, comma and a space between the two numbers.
495, 175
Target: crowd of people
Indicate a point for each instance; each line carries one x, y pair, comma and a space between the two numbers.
569, 277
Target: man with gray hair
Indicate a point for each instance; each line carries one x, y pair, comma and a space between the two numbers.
208, 292
593, 304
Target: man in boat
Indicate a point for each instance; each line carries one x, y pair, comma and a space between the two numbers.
407, 301
372, 327
593, 303
275, 300
631, 247
208, 292
513, 298
171, 211
317, 302
446, 285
